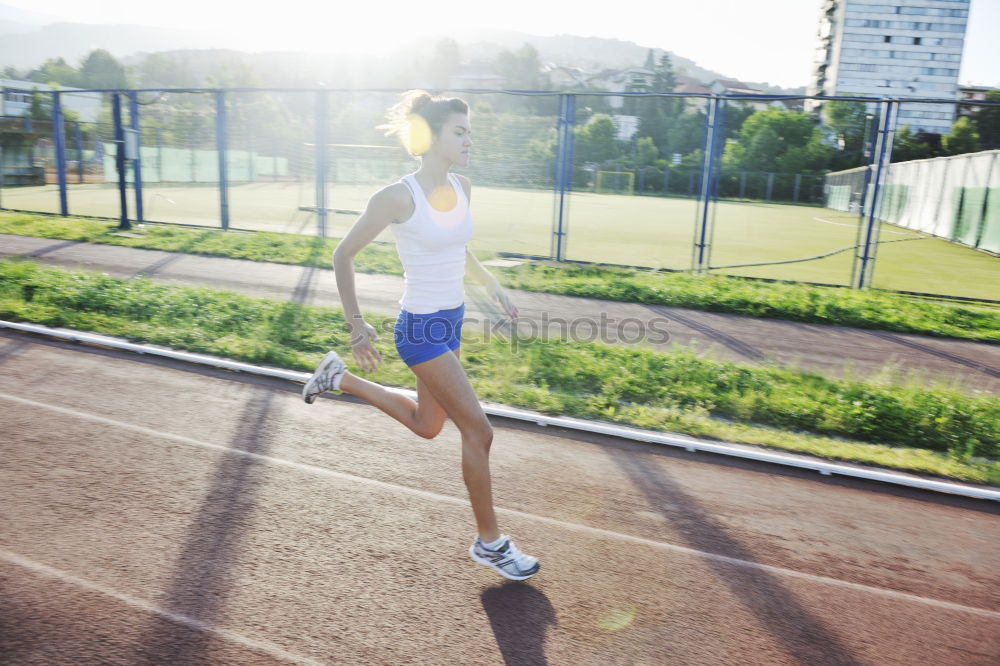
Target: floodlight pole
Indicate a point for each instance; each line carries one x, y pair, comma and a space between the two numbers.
220, 146
322, 106
60, 140
563, 173
133, 111
705, 195
871, 156
869, 244
116, 108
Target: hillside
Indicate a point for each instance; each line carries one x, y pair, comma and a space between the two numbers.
26, 41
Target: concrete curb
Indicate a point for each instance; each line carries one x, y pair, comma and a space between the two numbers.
688, 443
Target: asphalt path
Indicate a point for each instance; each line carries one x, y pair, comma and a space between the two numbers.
835, 351
160, 513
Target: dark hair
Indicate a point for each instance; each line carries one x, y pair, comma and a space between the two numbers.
433, 110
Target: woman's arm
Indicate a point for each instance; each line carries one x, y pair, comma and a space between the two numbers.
476, 270
382, 209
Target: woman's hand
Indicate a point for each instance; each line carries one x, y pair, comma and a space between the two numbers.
367, 357
504, 301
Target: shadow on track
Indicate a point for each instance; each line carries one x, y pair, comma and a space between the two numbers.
202, 576
519, 616
803, 636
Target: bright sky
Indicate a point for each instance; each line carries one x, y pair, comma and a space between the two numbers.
756, 40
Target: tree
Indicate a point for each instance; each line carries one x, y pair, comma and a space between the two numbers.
55, 71
686, 135
850, 122
664, 79
987, 122
778, 141
41, 105
963, 138
444, 63
737, 113
907, 146
596, 141
522, 70
99, 69
166, 70
645, 152
657, 115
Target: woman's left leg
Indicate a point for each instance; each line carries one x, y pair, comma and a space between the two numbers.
425, 416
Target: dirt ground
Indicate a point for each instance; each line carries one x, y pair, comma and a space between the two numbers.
160, 513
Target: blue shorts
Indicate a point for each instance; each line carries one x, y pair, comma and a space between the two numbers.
421, 337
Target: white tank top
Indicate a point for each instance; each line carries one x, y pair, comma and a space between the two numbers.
431, 246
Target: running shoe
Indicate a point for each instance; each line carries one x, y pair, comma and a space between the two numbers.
507, 559
324, 377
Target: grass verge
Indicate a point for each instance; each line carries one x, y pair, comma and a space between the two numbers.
794, 302
862, 422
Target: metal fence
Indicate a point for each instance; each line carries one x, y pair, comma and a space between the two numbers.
956, 197
668, 181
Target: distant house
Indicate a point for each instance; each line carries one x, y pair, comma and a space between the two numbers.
15, 100
692, 86
971, 94
25, 142
477, 76
563, 77
633, 79
734, 87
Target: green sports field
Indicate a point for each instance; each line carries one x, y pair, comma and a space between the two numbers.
609, 228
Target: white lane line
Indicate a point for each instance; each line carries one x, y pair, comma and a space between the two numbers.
845, 224
253, 643
902, 596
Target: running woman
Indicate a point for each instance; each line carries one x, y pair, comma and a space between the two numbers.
428, 212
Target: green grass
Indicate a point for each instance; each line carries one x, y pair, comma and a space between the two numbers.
930, 429
651, 231
824, 305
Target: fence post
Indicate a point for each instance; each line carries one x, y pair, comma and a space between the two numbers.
705, 196
666, 181
133, 109
59, 134
798, 184
986, 201
866, 263
116, 109
564, 173
322, 103
743, 184
274, 160
220, 147
770, 187
78, 138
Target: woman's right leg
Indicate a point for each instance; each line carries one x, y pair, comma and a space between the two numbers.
446, 380
443, 389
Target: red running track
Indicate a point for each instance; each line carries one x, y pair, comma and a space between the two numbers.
157, 513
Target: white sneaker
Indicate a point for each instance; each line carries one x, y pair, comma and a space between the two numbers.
506, 559
324, 377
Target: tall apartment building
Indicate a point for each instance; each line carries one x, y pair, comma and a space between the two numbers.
902, 49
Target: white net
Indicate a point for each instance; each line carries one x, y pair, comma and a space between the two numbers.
956, 197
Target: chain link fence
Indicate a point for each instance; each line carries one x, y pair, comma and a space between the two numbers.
738, 185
